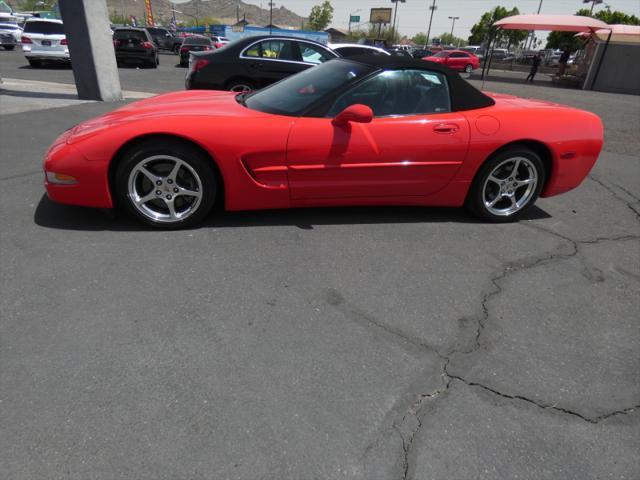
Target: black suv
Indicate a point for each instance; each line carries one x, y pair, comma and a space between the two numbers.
135, 45
164, 39
252, 63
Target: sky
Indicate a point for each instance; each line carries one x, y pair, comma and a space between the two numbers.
413, 15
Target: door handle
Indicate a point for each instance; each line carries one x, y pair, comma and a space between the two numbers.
445, 128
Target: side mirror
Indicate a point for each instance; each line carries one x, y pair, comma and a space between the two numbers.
357, 113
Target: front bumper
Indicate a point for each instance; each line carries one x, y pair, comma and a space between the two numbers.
92, 186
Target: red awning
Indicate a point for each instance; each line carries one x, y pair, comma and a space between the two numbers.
558, 23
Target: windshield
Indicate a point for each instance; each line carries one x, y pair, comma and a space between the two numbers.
441, 54
295, 94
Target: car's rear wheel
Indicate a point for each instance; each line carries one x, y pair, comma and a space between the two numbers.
240, 86
468, 68
507, 185
9, 47
166, 184
33, 62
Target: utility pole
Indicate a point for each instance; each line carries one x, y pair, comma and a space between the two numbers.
531, 37
433, 8
395, 14
271, 4
453, 24
593, 4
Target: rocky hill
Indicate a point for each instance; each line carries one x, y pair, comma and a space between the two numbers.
227, 11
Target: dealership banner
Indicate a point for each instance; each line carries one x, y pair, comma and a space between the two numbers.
149, 13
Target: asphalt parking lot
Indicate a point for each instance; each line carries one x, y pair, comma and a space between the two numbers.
354, 343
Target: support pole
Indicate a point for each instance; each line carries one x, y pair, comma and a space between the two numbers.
86, 24
604, 52
433, 9
395, 13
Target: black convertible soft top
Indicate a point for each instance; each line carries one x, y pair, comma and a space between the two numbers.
464, 96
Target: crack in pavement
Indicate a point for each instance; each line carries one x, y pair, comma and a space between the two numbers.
21, 175
410, 422
630, 205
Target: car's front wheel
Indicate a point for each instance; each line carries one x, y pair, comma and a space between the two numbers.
166, 184
9, 47
240, 86
507, 185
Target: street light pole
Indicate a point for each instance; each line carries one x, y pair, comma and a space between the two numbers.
271, 4
453, 24
432, 8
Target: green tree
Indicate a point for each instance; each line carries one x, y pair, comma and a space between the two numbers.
320, 16
448, 39
420, 39
484, 29
569, 39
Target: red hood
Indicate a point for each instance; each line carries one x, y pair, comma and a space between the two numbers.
188, 102
183, 103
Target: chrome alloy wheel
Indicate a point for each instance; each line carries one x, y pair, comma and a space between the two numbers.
510, 186
164, 189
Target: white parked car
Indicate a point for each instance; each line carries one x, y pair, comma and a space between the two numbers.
10, 34
219, 42
352, 49
44, 39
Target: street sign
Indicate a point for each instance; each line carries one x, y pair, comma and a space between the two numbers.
380, 15
355, 19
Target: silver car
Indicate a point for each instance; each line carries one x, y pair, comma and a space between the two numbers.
44, 39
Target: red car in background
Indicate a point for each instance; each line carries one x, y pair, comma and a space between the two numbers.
456, 60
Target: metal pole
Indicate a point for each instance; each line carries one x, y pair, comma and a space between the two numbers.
395, 13
270, 17
432, 8
453, 24
606, 45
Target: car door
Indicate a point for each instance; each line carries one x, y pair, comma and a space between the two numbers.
269, 61
413, 146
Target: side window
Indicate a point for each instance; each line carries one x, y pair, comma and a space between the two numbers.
399, 92
277, 49
313, 54
459, 55
253, 51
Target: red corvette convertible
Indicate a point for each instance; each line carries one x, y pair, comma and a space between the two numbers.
363, 131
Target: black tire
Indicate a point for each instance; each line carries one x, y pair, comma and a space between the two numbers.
157, 60
176, 48
33, 62
9, 47
234, 85
468, 68
130, 183
512, 197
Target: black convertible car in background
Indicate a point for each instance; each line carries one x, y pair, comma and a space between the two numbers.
253, 63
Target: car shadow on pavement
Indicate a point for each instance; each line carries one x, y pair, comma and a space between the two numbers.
52, 215
48, 66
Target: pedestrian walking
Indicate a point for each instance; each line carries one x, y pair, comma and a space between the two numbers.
564, 58
535, 63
